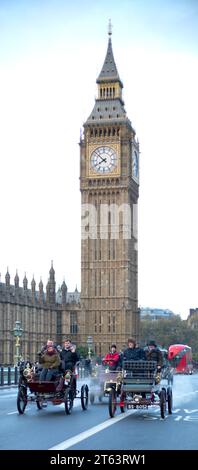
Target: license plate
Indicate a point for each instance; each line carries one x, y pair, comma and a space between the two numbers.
132, 407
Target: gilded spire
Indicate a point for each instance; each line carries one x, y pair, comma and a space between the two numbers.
109, 69
109, 28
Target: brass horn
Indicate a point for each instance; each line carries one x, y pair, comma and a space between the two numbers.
28, 371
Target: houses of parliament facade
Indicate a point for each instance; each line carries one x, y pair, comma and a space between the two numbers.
107, 307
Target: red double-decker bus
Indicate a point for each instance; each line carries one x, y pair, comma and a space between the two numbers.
180, 358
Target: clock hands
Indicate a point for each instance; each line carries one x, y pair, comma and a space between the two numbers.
103, 160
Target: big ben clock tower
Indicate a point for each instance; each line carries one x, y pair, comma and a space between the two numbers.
109, 182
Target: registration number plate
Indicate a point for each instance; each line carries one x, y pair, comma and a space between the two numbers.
132, 407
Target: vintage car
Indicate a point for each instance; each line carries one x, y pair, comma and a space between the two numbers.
63, 389
102, 381
141, 387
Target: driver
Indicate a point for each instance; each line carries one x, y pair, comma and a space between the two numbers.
50, 361
112, 358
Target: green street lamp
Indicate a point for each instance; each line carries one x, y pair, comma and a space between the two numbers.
89, 343
17, 332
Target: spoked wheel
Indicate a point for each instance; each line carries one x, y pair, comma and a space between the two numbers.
162, 403
92, 398
21, 400
112, 402
68, 401
84, 397
170, 400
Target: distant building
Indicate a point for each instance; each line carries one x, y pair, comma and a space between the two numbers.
155, 313
192, 320
43, 315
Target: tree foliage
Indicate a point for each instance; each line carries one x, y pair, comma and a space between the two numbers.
83, 351
169, 331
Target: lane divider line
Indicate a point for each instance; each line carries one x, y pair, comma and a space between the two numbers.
90, 432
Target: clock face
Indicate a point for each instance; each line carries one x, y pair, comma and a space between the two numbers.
103, 160
135, 165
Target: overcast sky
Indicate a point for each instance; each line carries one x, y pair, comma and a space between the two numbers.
51, 52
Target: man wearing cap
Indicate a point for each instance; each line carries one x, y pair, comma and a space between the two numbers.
154, 354
112, 358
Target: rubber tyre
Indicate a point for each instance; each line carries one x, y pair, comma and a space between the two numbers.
112, 403
162, 403
21, 400
68, 401
84, 397
170, 400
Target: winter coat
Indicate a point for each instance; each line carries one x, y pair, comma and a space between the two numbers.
155, 355
50, 361
69, 359
111, 359
134, 354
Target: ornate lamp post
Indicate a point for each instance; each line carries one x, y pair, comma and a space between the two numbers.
17, 332
89, 343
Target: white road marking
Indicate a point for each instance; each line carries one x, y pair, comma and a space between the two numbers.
191, 418
90, 432
178, 418
190, 411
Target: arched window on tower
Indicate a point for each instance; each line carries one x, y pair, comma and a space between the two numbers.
114, 323
109, 322
113, 282
95, 283
100, 322
113, 247
95, 249
95, 326
99, 248
73, 323
99, 283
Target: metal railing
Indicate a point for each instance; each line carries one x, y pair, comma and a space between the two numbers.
9, 375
